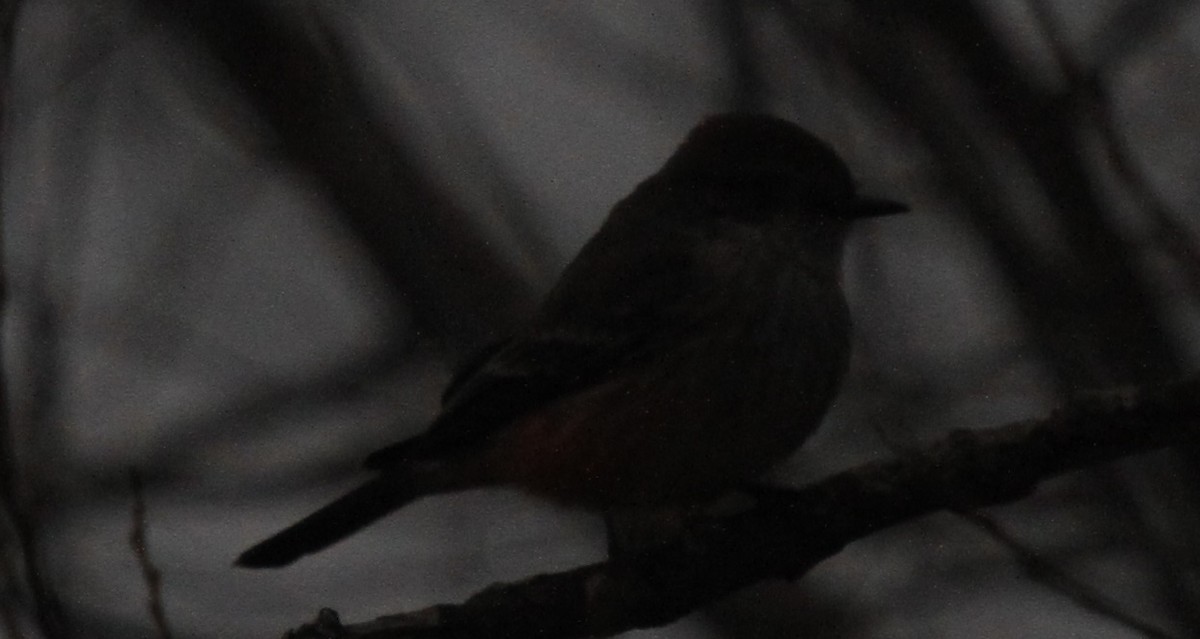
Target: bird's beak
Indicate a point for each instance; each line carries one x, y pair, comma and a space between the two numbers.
876, 207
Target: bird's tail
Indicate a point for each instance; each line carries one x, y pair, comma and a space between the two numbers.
338, 520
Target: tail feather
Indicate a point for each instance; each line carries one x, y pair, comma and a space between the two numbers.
338, 520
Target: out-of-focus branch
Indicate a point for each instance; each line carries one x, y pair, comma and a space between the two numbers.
1098, 290
303, 83
20, 536
747, 86
944, 69
10, 546
790, 532
1089, 91
9, 537
1132, 28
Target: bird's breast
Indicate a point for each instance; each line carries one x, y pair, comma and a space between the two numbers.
738, 387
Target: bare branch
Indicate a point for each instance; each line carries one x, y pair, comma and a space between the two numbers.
790, 532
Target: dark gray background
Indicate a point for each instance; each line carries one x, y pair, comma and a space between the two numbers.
187, 299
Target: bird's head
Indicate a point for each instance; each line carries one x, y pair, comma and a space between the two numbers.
769, 158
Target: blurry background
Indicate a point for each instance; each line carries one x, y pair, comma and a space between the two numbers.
246, 241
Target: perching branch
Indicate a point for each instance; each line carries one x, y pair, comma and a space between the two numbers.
790, 532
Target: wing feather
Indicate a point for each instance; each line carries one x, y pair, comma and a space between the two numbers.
626, 293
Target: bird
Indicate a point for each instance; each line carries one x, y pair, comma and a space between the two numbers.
695, 341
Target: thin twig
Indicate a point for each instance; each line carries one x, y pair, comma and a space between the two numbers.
141, 550
1046, 572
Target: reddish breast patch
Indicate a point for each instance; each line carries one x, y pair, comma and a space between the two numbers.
609, 446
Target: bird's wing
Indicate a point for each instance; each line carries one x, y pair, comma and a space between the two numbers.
626, 294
